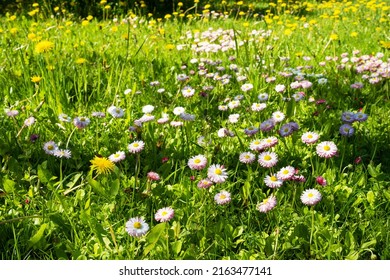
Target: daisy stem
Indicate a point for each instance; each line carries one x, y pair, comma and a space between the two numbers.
312, 227
167, 239
186, 137
70, 136
60, 173
342, 157
311, 160
136, 171
295, 193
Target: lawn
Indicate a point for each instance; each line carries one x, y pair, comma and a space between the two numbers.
257, 131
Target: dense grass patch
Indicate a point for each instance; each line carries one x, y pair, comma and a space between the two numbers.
107, 120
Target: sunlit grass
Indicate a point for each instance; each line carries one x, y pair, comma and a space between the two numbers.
101, 117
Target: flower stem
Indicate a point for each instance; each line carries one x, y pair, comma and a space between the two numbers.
312, 227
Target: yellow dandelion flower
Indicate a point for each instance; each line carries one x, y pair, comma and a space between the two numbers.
354, 34
32, 13
84, 22
89, 17
56, 9
44, 46
102, 165
107, 7
334, 36
35, 5
170, 46
80, 60
13, 30
36, 79
31, 36
385, 45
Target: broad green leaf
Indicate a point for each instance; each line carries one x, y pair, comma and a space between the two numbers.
246, 190
72, 183
372, 171
357, 201
176, 229
63, 225
238, 231
370, 197
290, 108
37, 236
9, 185
269, 242
153, 236
155, 233
97, 187
176, 247
353, 255
362, 180
98, 229
114, 188
44, 174
368, 244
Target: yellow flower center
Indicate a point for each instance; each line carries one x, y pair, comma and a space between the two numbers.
135, 145
310, 195
197, 161
309, 136
218, 171
137, 225
267, 157
265, 200
326, 148
285, 171
164, 213
222, 196
256, 142
273, 178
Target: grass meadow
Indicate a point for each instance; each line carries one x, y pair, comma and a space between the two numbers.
204, 134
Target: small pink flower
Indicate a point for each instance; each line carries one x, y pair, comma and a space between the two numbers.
358, 160
321, 181
153, 176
